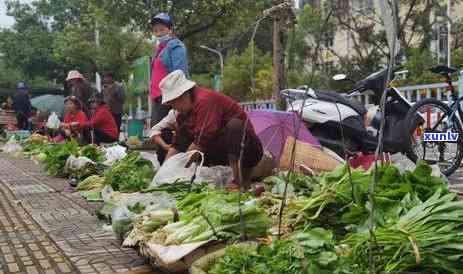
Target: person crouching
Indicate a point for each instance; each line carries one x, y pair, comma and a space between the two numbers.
214, 124
102, 121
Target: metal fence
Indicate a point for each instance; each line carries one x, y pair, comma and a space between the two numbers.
411, 93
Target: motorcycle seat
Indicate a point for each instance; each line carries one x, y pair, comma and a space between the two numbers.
442, 70
334, 97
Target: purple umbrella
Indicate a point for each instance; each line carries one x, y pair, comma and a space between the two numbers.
273, 127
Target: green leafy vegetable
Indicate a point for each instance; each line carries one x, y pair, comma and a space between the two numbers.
130, 174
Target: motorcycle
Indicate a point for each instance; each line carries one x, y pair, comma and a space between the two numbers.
325, 113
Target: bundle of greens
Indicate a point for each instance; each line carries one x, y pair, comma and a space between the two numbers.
309, 252
145, 225
55, 155
213, 216
92, 152
94, 182
34, 145
130, 174
179, 190
419, 236
337, 199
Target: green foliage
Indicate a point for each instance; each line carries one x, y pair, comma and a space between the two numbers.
204, 79
306, 252
418, 64
56, 155
237, 75
130, 174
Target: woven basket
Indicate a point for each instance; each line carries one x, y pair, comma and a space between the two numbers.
307, 157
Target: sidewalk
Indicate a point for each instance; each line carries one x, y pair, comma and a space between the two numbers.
44, 229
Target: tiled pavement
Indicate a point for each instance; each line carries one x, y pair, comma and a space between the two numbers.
44, 229
456, 181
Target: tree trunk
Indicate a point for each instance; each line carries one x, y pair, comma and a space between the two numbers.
278, 64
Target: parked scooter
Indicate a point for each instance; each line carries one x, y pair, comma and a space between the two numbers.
325, 112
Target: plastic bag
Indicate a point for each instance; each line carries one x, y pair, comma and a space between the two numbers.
122, 217
53, 121
114, 153
174, 169
12, 146
76, 163
218, 175
153, 158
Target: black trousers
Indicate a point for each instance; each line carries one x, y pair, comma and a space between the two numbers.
227, 145
23, 121
102, 137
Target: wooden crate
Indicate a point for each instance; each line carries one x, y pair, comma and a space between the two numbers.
307, 156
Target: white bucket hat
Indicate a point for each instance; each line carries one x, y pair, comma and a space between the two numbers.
74, 74
174, 85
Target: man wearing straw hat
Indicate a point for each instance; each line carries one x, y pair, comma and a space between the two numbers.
214, 124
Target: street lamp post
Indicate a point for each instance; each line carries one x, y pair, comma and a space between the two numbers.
218, 53
220, 56
449, 36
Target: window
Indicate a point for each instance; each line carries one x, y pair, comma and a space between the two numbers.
328, 40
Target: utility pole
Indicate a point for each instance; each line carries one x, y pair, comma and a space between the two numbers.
283, 17
449, 35
97, 42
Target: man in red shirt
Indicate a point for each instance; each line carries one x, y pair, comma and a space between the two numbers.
214, 124
102, 121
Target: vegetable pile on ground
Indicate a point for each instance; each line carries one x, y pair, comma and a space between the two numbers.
34, 145
213, 215
130, 174
91, 183
92, 152
417, 236
54, 156
306, 252
203, 216
335, 201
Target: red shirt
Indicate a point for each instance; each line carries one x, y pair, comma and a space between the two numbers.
103, 120
211, 113
79, 117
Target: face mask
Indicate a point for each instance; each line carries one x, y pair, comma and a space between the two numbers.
163, 38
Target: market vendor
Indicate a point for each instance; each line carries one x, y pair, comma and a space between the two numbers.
80, 88
74, 118
214, 124
102, 121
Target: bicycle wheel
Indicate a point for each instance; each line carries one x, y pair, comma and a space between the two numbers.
447, 154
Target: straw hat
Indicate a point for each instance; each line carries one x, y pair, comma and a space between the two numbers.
74, 74
174, 85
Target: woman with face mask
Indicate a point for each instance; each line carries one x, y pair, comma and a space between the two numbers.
170, 55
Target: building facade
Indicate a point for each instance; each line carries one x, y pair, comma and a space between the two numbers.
341, 43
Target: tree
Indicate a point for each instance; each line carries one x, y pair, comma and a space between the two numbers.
61, 33
237, 75
26, 47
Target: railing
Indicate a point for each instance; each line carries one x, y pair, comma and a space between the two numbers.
411, 93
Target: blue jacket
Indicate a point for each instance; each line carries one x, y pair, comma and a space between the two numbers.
174, 56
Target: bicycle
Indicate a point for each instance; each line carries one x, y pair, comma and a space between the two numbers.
433, 146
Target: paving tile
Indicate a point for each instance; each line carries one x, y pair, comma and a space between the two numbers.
45, 230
